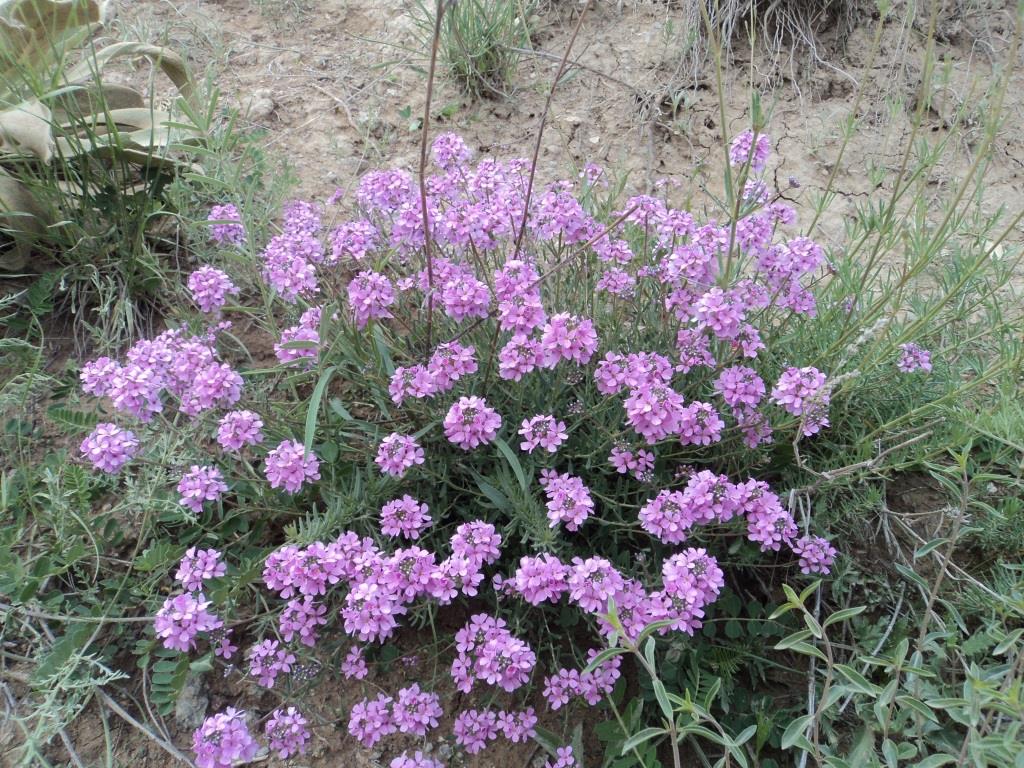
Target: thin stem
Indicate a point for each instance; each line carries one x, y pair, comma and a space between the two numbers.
424, 136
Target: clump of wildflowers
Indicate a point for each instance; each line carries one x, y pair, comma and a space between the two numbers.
200, 484
404, 517
290, 466
816, 554
198, 566
470, 422
238, 429
746, 149
287, 732
543, 431
210, 288
914, 358
223, 740
802, 392
226, 226
108, 447
398, 453
180, 620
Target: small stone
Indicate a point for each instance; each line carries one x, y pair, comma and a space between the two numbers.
260, 105
190, 708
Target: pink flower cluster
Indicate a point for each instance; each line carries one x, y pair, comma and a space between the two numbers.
398, 453
802, 392
198, 566
543, 431
815, 553
237, 429
411, 711
210, 288
290, 466
474, 729
180, 620
226, 226
591, 686
488, 652
746, 149
287, 732
108, 447
914, 358
200, 484
223, 740
185, 367
569, 500
404, 517
470, 422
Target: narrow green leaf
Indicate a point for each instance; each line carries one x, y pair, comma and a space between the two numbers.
857, 680
924, 549
918, 706
795, 730
314, 406
843, 615
513, 461
637, 739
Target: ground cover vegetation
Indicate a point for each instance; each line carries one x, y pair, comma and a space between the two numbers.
620, 476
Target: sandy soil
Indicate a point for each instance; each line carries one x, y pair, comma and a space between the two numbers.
337, 86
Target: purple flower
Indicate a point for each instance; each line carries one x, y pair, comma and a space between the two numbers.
564, 758
97, 376
540, 579
198, 485
449, 363
740, 387
210, 288
592, 582
180, 620
416, 711
353, 240
700, 424
371, 720
108, 447
415, 760
569, 501
914, 358
289, 466
470, 422
301, 618
816, 554
354, 665
197, 566
668, 517
543, 431
404, 517
450, 151
287, 733
223, 740
745, 148
369, 295
397, 453
226, 225
473, 729
267, 660
567, 337
803, 392
239, 428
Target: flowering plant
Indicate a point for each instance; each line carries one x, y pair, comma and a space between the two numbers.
548, 401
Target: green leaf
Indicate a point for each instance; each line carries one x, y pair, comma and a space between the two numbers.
795, 730
602, 657
314, 407
908, 574
857, 680
73, 641
662, 696
934, 761
1008, 642
924, 549
157, 555
843, 615
76, 421
918, 706
637, 739
513, 461
809, 650
790, 640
